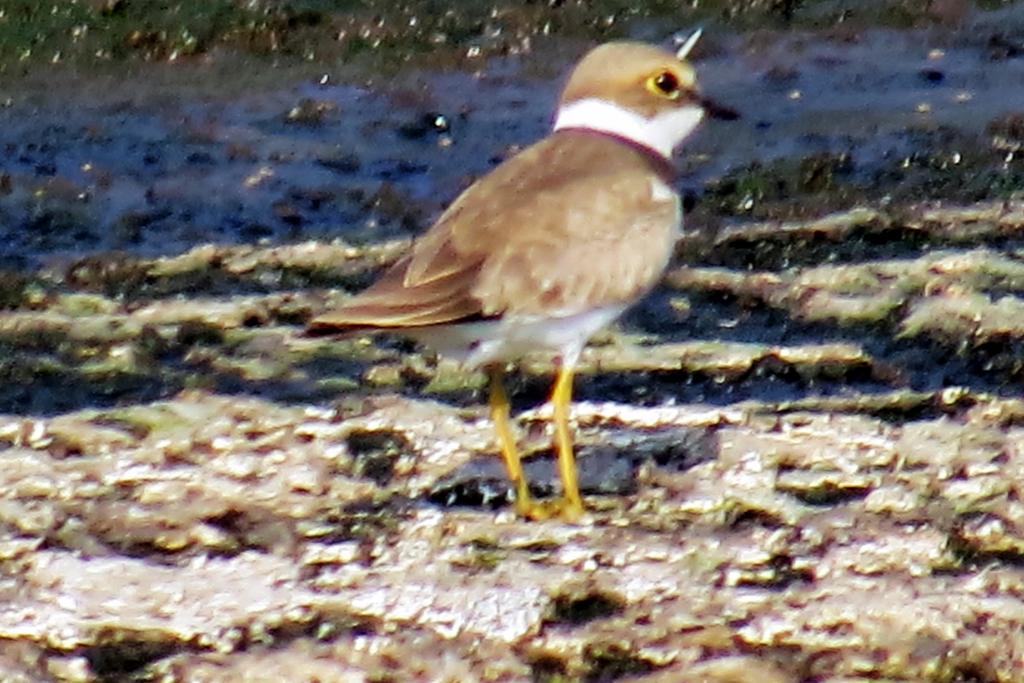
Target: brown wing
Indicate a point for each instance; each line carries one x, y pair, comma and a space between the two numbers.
555, 229
391, 303
581, 245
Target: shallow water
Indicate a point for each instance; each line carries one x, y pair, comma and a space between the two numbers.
155, 174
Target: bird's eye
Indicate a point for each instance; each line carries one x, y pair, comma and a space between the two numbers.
665, 84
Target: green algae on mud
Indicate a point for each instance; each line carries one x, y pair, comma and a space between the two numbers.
303, 29
134, 338
103, 31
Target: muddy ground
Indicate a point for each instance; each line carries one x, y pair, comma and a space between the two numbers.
803, 454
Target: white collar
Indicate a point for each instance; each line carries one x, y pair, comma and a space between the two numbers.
663, 133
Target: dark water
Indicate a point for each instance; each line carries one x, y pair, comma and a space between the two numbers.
158, 173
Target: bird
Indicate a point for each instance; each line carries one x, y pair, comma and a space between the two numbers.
551, 245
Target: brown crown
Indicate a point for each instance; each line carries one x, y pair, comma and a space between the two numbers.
622, 72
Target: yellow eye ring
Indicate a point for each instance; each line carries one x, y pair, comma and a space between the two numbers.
664, 84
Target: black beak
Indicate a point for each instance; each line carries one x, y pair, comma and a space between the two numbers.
717, 111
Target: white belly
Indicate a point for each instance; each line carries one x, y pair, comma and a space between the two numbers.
479, 343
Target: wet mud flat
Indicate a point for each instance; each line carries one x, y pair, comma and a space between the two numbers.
802, 453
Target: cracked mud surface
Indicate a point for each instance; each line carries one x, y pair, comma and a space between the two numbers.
803, 455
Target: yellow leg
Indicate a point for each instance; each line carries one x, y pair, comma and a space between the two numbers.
561, 402
570, 507
500, 416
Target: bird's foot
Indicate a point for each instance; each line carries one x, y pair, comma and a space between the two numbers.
564, 509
